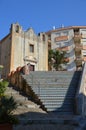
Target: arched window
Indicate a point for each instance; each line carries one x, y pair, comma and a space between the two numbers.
17, 29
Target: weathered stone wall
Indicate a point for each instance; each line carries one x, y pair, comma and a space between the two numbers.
21, 53
15, 50
5, 55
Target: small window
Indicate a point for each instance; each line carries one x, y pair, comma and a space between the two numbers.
43, 37
17, 29
31, 48
58, 34
65, 33
49, 37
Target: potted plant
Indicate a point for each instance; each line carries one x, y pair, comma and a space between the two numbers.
7, 105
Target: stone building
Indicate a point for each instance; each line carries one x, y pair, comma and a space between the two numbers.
21, 47
72, 40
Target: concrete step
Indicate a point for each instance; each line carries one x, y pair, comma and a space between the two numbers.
55, 96
60, 108
56, 90
52, 89
61, 98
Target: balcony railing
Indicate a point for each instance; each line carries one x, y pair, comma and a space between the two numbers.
76, 33
78, 46
64, 44
61, 38
79, 58
77, 40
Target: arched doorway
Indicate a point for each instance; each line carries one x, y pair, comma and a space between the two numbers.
31, 67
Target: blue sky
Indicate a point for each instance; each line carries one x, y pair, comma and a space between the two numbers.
41, 15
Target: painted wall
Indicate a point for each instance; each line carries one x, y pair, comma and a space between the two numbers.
63, 40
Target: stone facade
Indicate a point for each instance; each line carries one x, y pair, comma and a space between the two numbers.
5, 54
20, 47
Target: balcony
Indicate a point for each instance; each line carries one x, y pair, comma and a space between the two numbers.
64, 45
63, 48
78, 63
83, 36
77, 40
84, 58
61, 38
76, 33
79, 58
78, 52
78, 47
49, 41
84, 47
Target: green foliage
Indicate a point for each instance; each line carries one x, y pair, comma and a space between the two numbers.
50, 56
7, 105
56, 58
1, 67
3, 86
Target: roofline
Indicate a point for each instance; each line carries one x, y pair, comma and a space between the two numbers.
4, 38
65, 28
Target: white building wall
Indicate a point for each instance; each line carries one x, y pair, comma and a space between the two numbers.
83, 42
65, 43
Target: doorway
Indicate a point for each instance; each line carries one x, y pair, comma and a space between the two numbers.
32, 68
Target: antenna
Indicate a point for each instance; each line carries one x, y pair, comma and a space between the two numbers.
62, 25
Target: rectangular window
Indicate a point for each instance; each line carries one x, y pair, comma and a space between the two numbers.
65, 33
31, 48
43, 37
58, 34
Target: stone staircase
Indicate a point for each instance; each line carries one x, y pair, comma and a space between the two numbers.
31, 116
55, 90
25, 107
